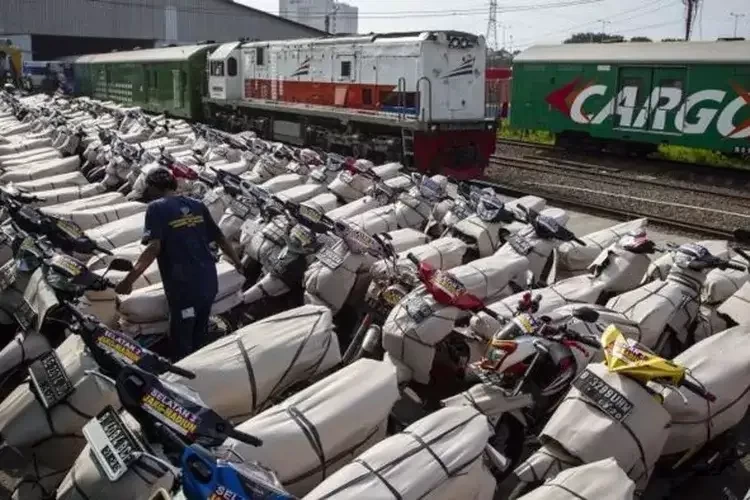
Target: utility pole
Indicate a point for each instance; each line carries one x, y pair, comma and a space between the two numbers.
492, 26
604, 24
691, 7
736, 21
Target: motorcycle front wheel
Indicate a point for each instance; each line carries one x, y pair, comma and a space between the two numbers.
508, 440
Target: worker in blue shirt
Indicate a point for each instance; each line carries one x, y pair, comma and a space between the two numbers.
178, 232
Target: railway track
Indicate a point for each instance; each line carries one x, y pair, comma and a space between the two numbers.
601, 191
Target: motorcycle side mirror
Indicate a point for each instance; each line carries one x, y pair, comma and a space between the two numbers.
586, 314
122, 265
742, 236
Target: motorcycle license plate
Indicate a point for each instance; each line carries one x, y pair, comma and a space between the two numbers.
460, 211
211, 197
418, 309
608, 399
25, 315
330, 258
51, 382
310, 213
112, 443
240, 209
7, 275
519, 244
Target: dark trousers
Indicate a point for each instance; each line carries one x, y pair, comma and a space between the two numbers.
188, 327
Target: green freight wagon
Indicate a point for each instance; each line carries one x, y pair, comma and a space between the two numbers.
170, 79
632, 97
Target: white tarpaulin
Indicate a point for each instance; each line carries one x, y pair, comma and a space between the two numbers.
150, 303
721, 365
574, 257
89, 218
99, 200
661, 266
595, 481
443, 253
41, 169
118, 233
245, 371
587, 432
737, 307
55, 181
315, 432
60, 195
721, 284
437, 457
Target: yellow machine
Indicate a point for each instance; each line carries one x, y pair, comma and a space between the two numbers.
11, 60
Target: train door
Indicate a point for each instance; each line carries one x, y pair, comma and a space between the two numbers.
178, 88
344, 72
634, 86
668, 95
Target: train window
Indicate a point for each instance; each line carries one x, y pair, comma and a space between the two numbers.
643, 92
217, 68
232, 66
259, 60
367, 97
671, 82
346, 69
391, 99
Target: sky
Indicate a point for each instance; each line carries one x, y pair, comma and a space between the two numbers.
527, 22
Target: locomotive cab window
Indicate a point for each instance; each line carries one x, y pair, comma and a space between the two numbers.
217, 68
346, 69
231, 66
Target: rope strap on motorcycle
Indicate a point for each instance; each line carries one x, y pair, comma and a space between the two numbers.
567, 490
312, 435
250, 375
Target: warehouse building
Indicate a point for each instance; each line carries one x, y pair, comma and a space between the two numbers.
50, 29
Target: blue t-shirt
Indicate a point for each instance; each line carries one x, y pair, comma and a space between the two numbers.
185, 228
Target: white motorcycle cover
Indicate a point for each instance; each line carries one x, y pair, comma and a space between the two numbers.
719, 364
443, 253
89, 218
302, 193
574, 257
52, 437
708, 323
661, 266
265, 241
330, 283
411, 344
736, 306
586, 432
86, 480
249, 370
96, 201
42, 169
722, 284
283, 182
25, 145
119, 233
53, 182
404, 239
438, 458
37, 157
323, 427
594, 481
377, 220
149, 304
61, 195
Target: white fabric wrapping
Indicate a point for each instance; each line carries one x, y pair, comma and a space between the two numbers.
24, 422
574, 257
99, 200
24, 145
413, 344
586, 432
323, 427
720, 285
42, 169
61, 195
407, 238
119, 233
737, 307
331, 287
356, 207
377, 220
437, 457
54, 181
243, 373
265, 242
594, 481
443, 253
27, 160
282, 182
660, 267
89, 218
302, 193
721, 365
709, 322
150, 303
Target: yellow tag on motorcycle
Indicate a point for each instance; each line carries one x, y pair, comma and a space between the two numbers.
629, 358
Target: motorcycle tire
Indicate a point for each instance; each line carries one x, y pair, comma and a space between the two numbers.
508, 440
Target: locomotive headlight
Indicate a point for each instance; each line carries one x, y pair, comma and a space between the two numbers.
464, 43
454, 43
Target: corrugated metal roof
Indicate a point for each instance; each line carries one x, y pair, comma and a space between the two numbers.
181, 53
640, 52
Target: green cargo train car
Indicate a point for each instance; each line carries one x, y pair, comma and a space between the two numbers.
631, 97
170, 79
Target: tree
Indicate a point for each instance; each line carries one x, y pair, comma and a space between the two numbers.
641, 39
672, 40
594, 38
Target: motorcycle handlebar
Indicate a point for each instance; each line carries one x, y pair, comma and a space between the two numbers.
698, 390
413, 258
245, 438
736, 267
181, 372
579, 241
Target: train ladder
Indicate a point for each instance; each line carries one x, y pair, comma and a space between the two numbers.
407, 145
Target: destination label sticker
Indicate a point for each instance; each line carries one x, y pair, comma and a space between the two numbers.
519, 244
449, 284
169, 411
120, 347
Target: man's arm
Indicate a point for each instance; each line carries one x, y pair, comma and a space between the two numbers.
146, 258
